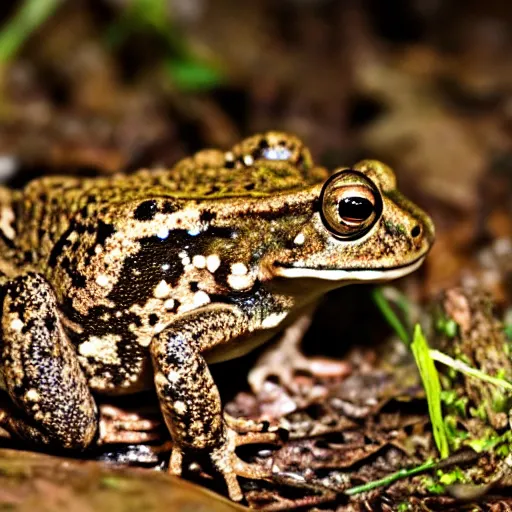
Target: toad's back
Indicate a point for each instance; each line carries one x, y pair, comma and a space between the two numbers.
35, 218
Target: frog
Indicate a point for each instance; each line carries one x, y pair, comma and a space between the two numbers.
112, 285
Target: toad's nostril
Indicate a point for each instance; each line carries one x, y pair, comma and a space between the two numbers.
415, 231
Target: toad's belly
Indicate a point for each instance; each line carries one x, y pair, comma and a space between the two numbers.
239, 347
114, 367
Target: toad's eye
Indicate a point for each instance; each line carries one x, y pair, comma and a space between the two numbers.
351, 204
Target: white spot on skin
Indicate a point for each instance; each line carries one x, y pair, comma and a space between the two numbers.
238, 282
182, 254
114, 253
162, 290
180, 407
185, 261
278, 153
32, 395
17, 325
159, 327
239, 269
212, 263
103, 349
169, 304
299, 239
199, 261
102, 280
273, 320
248, 160
173, 376
99, 383
166, 266
73, 236
201, 298
162, 233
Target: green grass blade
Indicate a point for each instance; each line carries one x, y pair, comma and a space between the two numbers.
393, 477
391, 317
430, 379
462, 367
30, 15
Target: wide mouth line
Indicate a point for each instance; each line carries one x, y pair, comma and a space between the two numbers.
376, 269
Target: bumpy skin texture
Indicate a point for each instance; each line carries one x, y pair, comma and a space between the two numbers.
113, 285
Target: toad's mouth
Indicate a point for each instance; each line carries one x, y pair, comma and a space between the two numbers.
370, 275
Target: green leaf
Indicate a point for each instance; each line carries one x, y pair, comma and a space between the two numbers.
149, 16
430, 379
500, 445
447, 326
508, 331
451, 477
193, 75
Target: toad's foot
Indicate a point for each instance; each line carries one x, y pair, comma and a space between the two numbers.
265, 432
286, 368
225, 461
285, 361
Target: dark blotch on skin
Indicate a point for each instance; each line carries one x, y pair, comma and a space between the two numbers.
146, 210
103, 232
63, 242
207, 216
76, 277
169, 207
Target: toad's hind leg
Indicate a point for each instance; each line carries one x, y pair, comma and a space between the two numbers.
40, 369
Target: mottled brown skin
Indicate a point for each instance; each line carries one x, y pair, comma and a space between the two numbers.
114, 285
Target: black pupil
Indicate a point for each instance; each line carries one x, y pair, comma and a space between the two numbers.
355, 208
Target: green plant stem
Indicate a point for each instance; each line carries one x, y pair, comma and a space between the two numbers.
393, 477
390, 316
462, 367
30, 15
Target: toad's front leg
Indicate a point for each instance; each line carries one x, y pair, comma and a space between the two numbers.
40, 370
189, 398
